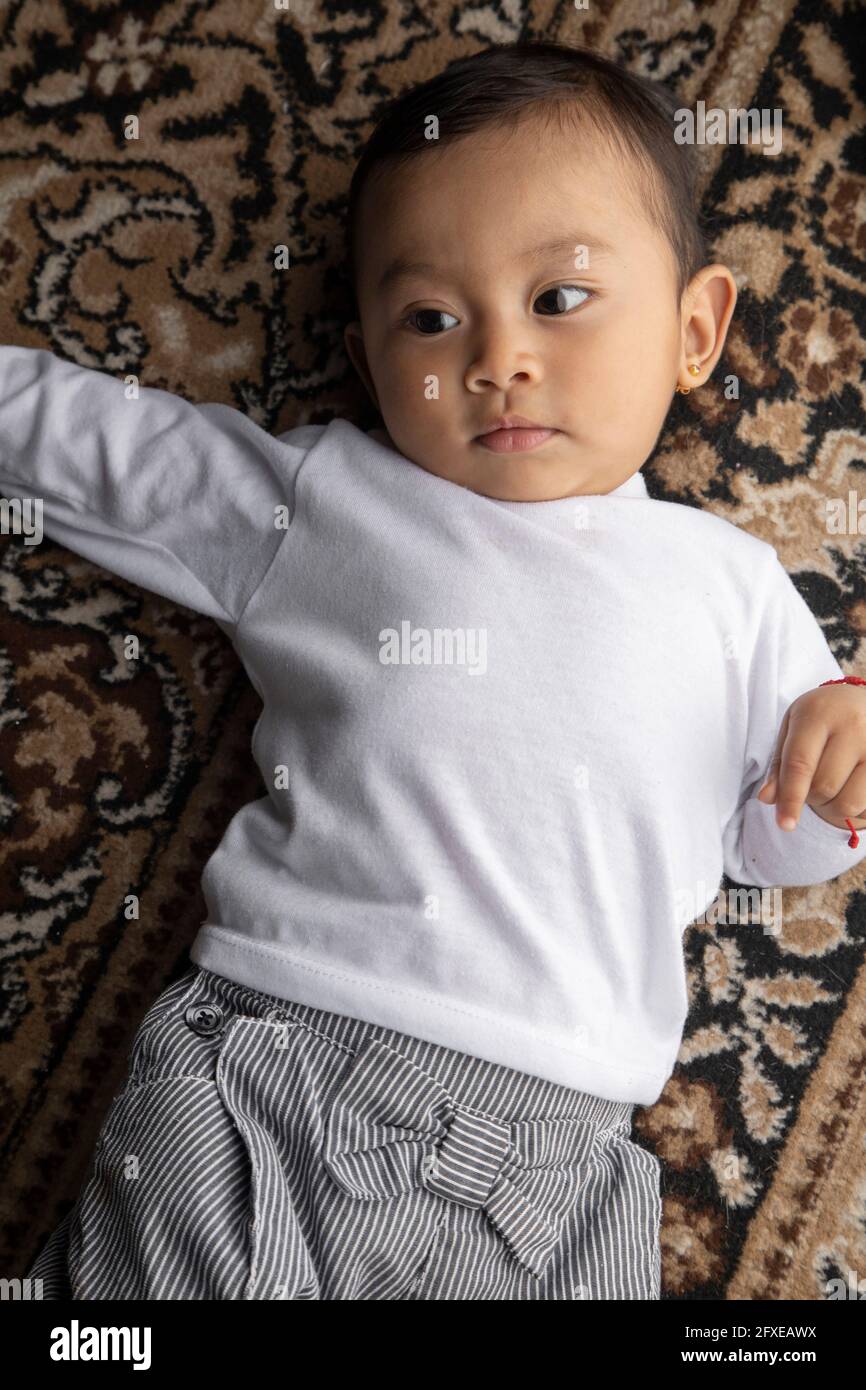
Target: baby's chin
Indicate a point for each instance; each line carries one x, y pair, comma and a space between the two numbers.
530, 476
515, 478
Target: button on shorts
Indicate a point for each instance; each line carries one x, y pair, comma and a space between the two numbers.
263, 1149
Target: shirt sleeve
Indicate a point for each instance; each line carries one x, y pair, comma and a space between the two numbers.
179, 498
791, 656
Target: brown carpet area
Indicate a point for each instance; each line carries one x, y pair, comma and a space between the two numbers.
154, 256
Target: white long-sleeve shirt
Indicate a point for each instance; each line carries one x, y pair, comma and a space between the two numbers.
508, 748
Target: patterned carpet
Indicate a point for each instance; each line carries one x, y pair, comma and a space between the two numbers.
154, 256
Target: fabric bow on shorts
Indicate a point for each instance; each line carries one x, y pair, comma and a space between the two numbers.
392, 1127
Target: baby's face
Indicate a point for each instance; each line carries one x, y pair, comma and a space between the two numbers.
493, 325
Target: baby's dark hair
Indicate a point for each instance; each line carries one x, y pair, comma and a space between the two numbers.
502, 84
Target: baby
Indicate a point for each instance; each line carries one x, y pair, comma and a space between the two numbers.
517, 721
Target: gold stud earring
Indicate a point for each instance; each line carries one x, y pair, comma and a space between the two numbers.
694, 370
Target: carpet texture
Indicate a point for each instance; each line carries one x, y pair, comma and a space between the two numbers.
155, 256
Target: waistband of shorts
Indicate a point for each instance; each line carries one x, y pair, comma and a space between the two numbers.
488, 1088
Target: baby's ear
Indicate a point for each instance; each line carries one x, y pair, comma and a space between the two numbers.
707, 313
354, 340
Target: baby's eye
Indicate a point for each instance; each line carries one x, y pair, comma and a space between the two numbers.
428, 330
561, 291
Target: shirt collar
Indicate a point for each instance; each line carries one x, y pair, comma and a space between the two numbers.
635, 486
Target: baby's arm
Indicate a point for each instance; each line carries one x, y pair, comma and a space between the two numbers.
791, 656
182, 499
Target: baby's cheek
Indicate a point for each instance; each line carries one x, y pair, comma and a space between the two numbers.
401, 386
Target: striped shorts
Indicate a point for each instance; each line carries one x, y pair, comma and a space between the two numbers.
261, 1149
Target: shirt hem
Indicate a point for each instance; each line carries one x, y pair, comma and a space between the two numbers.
271, 970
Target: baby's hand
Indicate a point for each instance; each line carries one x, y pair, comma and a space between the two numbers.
820, 759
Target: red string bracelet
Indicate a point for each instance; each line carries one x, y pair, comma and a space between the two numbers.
848, 680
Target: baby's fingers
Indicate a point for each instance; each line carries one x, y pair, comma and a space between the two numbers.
767, 792
798, 752
839, 784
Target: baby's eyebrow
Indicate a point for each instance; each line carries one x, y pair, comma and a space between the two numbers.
403, 267
595, 245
